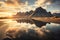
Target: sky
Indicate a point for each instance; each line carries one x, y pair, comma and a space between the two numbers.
27, 5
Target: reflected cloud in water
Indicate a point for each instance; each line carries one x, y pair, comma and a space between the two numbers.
13, 29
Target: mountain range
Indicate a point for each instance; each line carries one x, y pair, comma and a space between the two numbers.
38, 12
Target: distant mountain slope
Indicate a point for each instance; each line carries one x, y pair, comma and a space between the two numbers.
56, 14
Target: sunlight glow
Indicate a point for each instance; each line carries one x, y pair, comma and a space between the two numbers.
6, 14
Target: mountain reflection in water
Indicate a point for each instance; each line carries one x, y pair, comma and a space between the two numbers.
12, 29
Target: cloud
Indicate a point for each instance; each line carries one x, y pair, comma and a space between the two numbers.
46, 3
13, 6
23, 5
55, 11
18, 5
42, 3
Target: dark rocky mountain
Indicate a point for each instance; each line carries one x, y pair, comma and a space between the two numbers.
40, 12
56, 14
29, 13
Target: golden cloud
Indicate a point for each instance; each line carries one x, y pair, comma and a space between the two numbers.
16, 6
